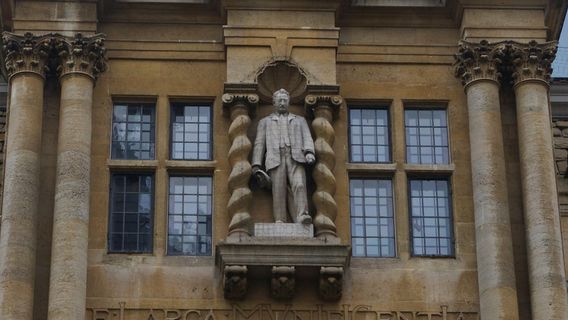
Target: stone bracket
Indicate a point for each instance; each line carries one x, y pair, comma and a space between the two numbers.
283, 282
283, 259
331, 283
235, 281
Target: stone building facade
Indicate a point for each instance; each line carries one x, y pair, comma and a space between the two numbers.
127, 172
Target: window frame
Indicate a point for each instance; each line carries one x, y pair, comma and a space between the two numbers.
173, 103
451, 228
190, 174
152, 209
430, 106
142, 102
375, 106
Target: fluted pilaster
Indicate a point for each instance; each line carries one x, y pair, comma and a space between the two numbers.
323, 108
239, 107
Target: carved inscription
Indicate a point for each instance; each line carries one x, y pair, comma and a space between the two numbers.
280, 312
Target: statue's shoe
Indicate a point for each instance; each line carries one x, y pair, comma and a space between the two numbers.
304, 218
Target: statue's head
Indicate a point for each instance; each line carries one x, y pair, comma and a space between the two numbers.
281, 100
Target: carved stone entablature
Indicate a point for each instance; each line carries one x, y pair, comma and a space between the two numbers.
283, 282
478, 61
79, 54
235, 281
331, 283
27, 53
240, 107
323, 107
282, 259
532, 61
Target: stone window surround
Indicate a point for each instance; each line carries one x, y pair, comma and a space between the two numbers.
410, 170
171, 167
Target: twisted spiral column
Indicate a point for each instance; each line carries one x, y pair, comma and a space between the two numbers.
239, 108
323, 108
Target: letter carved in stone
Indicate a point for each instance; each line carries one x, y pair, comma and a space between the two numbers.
283, 282
324, 108
331, 283
235, 282
478, 61
27, 53
79, 54
240, 108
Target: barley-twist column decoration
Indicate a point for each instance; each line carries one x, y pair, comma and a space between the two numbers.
240, 108
324, 108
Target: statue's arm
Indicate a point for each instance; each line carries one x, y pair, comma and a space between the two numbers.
307, 137
259, 144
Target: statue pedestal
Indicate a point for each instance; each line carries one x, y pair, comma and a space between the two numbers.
281, 257
284, 230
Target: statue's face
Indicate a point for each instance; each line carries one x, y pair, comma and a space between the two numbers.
281, 102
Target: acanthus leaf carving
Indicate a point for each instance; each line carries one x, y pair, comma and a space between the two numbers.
532, 61
27, 53
478, 61
80, 54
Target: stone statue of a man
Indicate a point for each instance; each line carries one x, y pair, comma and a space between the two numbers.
284, 143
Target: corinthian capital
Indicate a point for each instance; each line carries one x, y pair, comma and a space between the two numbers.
532, 61
79, 54
478, 61
27, 53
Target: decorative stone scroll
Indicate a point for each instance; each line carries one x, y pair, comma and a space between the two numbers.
239, 107
27, 53
323, 108
79, 54
477, 61
331, 283
532, 61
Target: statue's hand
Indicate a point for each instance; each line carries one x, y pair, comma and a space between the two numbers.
310, 158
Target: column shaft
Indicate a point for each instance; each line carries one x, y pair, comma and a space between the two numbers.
495, 261
68, 282
21, 194
544, 244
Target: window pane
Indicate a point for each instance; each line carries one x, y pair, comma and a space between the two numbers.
369, 135
190, 216
131, 211
431, 218
426, 136
133, 132
191, 132
372, 219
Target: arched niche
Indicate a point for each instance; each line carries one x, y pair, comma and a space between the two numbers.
274, 75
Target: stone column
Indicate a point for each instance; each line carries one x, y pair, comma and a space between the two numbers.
25, 58
239, 107
81, 60
477, 65
544, 244
324, 108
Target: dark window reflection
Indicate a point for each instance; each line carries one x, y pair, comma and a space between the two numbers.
191, 132
426, 136
372, 218
189, 216
431, 218
131, 210
133, 127
369, 135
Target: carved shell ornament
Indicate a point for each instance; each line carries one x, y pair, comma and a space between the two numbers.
281, 74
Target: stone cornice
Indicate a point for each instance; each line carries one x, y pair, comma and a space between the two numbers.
478, 61
27, 53
81, 55
531, 61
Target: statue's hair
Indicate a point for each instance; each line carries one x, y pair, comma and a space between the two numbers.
278, 92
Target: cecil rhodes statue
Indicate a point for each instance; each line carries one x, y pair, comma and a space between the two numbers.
284, 142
